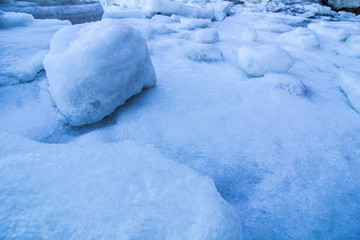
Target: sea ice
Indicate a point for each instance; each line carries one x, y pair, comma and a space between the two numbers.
258, 59
95, 67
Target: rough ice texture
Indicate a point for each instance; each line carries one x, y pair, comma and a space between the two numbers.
339, 4
257, 60
207, 36
350, 84
23, 45
95, 67
94, 190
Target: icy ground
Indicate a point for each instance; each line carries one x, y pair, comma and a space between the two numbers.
277, 132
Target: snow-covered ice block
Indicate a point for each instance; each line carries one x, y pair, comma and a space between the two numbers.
257, 59
95, 67
93, 190
205, 53
350, 84
207, 36
329, 31
301, 37
12, 19
249, 35
191, 23
23, 45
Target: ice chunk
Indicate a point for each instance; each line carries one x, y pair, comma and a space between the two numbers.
350, 84
207, 36
205, 53
249, 35
301, 37
257, 60
94, 190
12, 19
191, 23
95, 67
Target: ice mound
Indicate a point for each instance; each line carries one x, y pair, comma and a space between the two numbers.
95, 67
350, 84
12, 19
93, 190
205, 53
23, 45
257, 60
207, 36
301, 37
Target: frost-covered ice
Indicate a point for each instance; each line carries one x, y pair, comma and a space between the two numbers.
105, 191
282, 149
111, 63
257, 60
23, 45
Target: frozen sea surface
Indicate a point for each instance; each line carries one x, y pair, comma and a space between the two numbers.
283, 149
